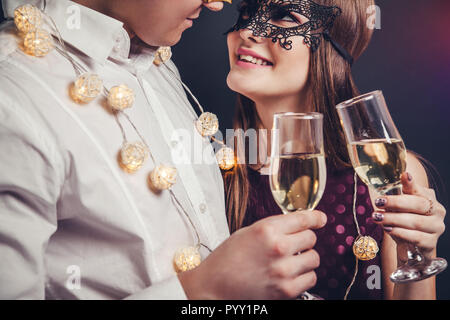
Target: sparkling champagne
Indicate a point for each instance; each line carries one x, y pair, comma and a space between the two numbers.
379, 163
298, 181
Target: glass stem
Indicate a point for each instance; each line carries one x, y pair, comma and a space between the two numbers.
414, 255
413, 252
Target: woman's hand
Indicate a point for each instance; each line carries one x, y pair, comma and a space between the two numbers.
415, 217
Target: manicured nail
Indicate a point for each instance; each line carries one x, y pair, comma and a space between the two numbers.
387, 229
377, 216
380, 202
409, 176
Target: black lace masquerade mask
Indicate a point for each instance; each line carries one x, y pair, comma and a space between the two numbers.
262, 17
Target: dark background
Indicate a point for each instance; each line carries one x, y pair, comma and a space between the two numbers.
409, 59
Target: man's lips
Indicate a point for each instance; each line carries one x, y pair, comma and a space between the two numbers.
191, 20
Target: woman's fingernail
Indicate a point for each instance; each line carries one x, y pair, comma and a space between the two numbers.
380, 202
377, 216
387, 229
409, 176
324, 219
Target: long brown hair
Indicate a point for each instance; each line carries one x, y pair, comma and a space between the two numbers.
330, 81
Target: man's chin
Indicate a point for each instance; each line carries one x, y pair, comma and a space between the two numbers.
174, 40
168, 41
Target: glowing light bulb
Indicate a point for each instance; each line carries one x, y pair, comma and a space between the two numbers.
38, 43
86, 88
121, 97
163, 177
225, 158
187, 259
365, 248
162, 55
27, 18
207, 124
133, 156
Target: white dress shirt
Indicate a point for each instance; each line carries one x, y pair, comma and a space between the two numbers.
73, 225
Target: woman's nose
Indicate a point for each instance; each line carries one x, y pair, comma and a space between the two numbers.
247, 34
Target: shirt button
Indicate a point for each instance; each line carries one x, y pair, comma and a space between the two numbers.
118, 43
202, 208
117, 48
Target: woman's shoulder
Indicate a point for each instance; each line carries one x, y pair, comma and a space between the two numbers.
415, 167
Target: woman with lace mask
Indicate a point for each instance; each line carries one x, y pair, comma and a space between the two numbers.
296, 56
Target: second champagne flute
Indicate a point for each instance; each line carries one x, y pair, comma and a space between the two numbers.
378, 155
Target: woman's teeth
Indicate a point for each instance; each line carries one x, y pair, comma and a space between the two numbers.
253, 60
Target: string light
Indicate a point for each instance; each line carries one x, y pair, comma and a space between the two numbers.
207, 124
133, 156
38, 43
365, 248
27, 18
187, 259
163, 177
162, 55
86, 88
121, 97
225, 158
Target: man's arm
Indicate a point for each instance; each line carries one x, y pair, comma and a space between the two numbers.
28, 196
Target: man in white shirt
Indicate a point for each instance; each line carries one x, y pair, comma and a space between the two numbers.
73, 225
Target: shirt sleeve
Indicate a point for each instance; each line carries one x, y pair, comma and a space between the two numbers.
28, 197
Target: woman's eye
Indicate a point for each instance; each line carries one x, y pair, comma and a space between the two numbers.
284, 16
286, 21
288, 18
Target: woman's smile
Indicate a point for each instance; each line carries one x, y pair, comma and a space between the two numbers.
251, 60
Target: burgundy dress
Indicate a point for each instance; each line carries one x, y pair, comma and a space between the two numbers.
335, 240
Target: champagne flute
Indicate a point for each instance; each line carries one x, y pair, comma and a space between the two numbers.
378, 155
297, 168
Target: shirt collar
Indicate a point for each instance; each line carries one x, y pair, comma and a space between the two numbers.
93, 33
140, 59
